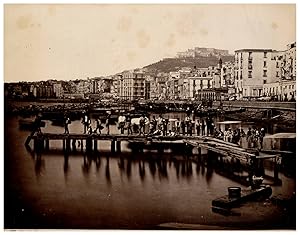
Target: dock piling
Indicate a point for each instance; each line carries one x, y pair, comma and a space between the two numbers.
95, 145
47, 144
118, 146
113, 146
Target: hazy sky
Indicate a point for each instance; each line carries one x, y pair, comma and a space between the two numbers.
77, 41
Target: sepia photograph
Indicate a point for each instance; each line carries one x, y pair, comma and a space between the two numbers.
149, 116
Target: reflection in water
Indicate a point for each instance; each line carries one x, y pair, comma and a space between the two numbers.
209, 174
107, 172
39, 166
162, 168
142, 170
158, 166
66, 166
98, 162
86, 166
152, 167
198, 167
128, 169
66, 163
177, 167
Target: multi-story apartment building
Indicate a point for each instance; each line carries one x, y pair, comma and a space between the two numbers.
83, 86
132, 86
282, 84
58, 90
266, 72
252, 71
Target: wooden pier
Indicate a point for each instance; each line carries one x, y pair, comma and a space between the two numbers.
42, 140
218, 151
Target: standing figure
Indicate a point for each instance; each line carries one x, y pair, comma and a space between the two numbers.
107, 123
183, 127
121, 123
154, 122
198, 127
67, 122
98, 125
142, 125
85, 122
165, 126
177, 126
128, 124
203, 127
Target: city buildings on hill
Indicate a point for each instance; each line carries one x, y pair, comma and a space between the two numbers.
254, 73
202, 52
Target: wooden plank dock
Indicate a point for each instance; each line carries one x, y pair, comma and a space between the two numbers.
223, 148
218, 150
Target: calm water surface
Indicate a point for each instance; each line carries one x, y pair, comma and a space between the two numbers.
117, 191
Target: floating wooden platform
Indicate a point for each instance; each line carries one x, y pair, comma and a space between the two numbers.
223, 148
246, 195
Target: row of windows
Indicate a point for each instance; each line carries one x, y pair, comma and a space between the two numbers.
249, 56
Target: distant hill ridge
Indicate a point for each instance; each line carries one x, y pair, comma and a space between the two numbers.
174, 64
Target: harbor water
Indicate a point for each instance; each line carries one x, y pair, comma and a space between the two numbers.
120, 191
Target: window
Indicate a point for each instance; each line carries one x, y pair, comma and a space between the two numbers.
277, 74
277, 65
265, 73
265, 64
250, 56
265, 81
292, 86
265, 54
249, 74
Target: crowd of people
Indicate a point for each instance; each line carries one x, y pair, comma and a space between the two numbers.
253, 137
161, 126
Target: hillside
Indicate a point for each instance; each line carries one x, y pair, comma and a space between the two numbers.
174, 64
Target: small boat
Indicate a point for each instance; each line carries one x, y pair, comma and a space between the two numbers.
236, 196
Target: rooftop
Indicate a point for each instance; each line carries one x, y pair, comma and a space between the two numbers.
255, 50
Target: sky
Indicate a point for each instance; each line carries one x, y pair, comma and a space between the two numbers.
77, 41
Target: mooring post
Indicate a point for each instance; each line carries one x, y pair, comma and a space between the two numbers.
118, 146
276, 178
199, 154
47, 144
64, 144
68, 144
89, 144
113, 146
95, 145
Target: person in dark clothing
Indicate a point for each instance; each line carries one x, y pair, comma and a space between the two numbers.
66, 123
107, 123
128, 125
198, 127
203, 127
142, 125
85, 122
190, 128
98, 125
183, 127
165, 126
154, 123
